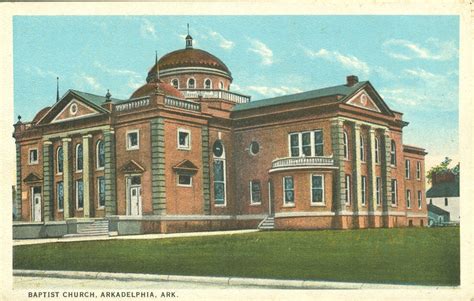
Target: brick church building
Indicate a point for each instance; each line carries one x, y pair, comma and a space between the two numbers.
184, 153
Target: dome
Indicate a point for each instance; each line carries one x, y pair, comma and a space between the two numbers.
150, 88
189, 57
41, 114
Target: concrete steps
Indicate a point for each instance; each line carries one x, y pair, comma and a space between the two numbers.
95, 228
267, 224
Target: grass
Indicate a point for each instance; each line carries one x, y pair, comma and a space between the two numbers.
425, 256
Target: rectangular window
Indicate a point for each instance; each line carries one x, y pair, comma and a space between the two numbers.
219, 182
348, 189
60, 195
33, 156
418, 170
317, 189
378, 190
394, 192
185, 180
288, 191
101, 191
445, 201
306, 144
294, 145
407, 169
408, 198
363, 189
377, 152
255, 192
362, 149
318, 143
184, 139
79, 194
419, 199
133, 140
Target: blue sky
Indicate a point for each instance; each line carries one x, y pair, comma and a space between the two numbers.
411, 60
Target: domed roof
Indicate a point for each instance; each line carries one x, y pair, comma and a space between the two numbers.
41, 114
150, 88
189, 57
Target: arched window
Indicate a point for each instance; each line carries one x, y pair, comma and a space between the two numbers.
175, 83
362, 150
79, 157
191, 83
219, 173
221, 85
393, 153
59, 160
346, 146
100, 154
207, 84
377, 152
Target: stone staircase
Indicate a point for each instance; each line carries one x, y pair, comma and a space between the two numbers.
93, 228
268, 223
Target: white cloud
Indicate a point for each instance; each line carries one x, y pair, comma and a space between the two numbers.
223, 42
423, 74
273, 91
40, 72
135, 80
148, 30
349, 62
263, 51
433, 49
90, 82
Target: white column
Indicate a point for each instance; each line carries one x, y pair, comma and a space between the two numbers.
373, 203
357, 178
86, 173
66, 176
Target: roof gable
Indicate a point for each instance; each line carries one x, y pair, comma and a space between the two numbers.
75, 109
185, 166
32, 178
364, 101
444, 190
132, 167
366, 97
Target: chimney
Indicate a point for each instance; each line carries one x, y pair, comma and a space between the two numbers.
352, 80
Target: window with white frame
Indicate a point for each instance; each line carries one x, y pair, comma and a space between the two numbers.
377, 150
133, 140
363, 189
317, 189
79, 157
60, 195
306, 144
33, 156
255, 192
418, 170
419, 199
378, 190
185, 180
207, 83
100, 154
362, 149
79, 194
348, 189
184, 139
394, 192
288, 191
407, 169
346, 145
59, 160
175, 83
221, 85
219, 173
101, 192
393, 153
408, 198
191, 83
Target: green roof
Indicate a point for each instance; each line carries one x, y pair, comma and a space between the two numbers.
94, 99
343, 90
436, 210
444, 190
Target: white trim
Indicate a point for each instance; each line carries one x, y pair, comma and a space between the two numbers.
345, 144
377, 150
187, 70
183, 147
224, 171
288, 204
76, 158
74, 101
408, 198
221, 85
189, 217
363, 92
362, 148
418, 170
301, 167
392, 191
204, 84
57, 160
187, 83
323, 203
378, 191
348, 190
174, 79
29, 156
57, 196
127, 142
184, 185
252, 203
304, 214
407, 169
98, 193
97, 167
77, 195
363, 190
419, 198
411, 214
73, 108
393, 152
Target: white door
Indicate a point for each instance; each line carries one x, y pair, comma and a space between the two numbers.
135, 200
37, 207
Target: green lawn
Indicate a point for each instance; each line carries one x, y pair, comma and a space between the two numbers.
428, 256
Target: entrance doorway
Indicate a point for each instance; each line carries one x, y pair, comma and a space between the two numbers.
36, 203
134, 199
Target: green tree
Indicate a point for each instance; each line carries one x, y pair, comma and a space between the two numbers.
442, 167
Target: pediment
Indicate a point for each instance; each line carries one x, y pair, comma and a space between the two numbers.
75, 109
32, 178
363, 100
132, 167
185, 166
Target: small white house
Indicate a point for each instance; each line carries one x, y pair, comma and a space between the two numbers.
444, 194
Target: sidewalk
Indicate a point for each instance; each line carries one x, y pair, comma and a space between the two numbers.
215, 281
142, 236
